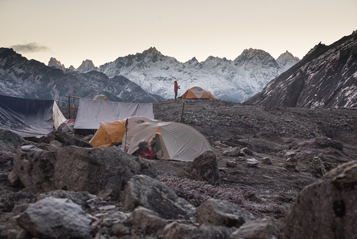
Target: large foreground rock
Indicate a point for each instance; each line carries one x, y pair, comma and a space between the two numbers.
222, 213
150, 193
55, 218
327, 208
205, 168
100, 171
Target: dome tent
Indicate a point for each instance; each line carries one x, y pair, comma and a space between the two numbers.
198, 93
101, 97
176, 141
110, 133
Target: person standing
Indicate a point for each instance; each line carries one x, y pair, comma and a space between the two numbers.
176, 87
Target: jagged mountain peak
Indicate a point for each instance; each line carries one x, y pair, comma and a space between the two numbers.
86, 66
53, 62
152, 51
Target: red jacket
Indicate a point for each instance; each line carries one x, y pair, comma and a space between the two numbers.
150, 154
176, 87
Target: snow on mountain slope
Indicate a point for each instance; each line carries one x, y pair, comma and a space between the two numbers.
325, 77
228, 80
286, 61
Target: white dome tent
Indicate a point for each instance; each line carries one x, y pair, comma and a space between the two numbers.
176, 141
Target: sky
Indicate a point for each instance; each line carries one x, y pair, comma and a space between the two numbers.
75, 30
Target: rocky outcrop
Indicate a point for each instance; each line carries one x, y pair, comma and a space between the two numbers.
324, 78
147, 192
55, 218
100, 171
80, 198
205, 168
222, 213
327, 208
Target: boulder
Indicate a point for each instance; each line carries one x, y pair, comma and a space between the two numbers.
326, 208
205, 168
266, 161
100, 171
176, 230
10, 139
65, 139
247, 151
150, 193
252, 163
258, 229
222, 213
326, 142
55, 218
146, 220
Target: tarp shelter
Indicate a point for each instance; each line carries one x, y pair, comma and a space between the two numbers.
110, 133
57, 116
26, 117
176, 141
67, 126
93, 112
101, 97
197, 93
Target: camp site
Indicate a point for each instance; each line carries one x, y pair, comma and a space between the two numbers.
127, 165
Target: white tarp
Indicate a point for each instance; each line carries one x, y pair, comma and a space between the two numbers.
57, 116
93, 112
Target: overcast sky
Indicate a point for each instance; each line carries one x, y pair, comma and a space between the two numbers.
75, 30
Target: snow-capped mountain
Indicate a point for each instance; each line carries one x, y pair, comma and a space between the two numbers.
326, 77
228, 80
24, 78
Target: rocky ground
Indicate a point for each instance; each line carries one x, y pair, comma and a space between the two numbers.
263, 157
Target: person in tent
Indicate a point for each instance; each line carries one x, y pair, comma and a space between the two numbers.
176, 87
146, 151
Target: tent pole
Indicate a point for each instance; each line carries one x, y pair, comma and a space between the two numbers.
69, 107
183, 108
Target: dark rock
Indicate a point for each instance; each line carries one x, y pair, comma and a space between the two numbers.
205, 168
55, 218
222, 213
176, 230
66, 139
266, 161
10, 139
144, 191
119, 230
326, 208
146, 219
247, 151
258, 229
326, 142
231, 163
79, 198
100, 171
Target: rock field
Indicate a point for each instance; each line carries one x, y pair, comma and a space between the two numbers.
274, 173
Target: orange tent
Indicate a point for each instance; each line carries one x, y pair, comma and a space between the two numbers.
110, 133
198, 93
